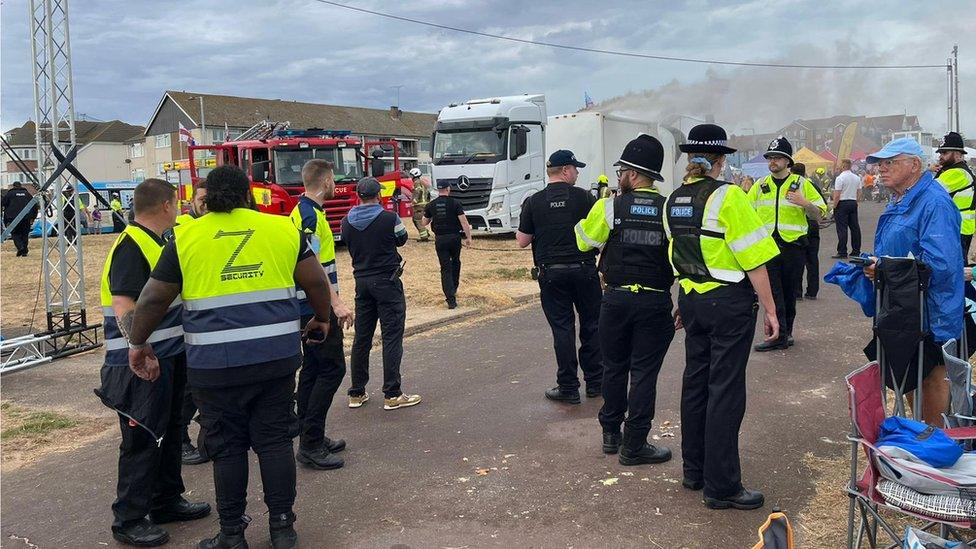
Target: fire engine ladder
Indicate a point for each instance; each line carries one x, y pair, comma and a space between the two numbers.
262, 130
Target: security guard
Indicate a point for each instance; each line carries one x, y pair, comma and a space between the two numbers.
150, 481
235, 269
446, 216
324, 364
957, 177
118, 221
420, 198
568, 278
784, 201
636, 326
718, 247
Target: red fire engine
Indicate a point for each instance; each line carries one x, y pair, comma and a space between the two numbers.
273, 157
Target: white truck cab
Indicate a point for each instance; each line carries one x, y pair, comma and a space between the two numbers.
492, 151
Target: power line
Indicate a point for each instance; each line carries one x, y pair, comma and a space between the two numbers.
620, 53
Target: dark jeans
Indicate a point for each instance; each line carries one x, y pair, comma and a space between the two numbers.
448, 248
150, 476
811, 262
257, 416
719, 327
845, 215
785, 271
323, 367
561, 289
635, 333
378, 297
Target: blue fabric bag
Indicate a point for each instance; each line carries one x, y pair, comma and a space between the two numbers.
927, 443
854, 284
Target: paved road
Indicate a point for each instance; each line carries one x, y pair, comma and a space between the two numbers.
410, 478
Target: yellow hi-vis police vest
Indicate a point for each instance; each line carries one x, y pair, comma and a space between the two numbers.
778, 214
732, 238
959, 183
309, 218
238, 288
167, 338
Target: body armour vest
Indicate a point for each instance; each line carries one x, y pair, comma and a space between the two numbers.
637, 249
685, 211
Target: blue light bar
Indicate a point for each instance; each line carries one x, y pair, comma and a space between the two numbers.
313, 132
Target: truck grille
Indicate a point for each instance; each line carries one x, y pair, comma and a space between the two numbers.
475, 197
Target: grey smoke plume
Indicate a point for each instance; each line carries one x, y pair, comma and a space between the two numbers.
766, 99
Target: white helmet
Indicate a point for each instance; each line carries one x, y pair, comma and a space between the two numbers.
415, 173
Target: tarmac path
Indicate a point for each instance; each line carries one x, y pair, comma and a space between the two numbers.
485, 460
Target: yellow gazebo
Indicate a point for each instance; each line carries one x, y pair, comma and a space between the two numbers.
811, 160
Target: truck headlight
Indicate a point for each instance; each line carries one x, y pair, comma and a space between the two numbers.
496, 207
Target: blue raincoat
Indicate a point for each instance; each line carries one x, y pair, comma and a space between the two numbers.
926, 223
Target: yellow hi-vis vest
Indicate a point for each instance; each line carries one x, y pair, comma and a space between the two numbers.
959, 183
238, 288
732, 238
183, 219
778, 214
309, 218
167, 338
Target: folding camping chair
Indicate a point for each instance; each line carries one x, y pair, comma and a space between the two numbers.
898, 329
960, 373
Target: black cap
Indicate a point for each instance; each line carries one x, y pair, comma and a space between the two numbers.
707, 138
443, 183
644, 154
563, 157
952, 142
368, 187
781, 147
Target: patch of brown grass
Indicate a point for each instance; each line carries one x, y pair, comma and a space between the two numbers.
27, 435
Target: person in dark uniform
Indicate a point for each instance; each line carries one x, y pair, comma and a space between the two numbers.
719, 248
812, 251
568, 277
150, 480
13, 202
118, 219
445, 215
235, 270
372, 236
377, 167
636, 326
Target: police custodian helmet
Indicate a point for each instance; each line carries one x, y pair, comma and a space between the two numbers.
645, 154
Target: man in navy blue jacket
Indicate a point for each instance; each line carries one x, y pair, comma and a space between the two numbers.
922, 220
372, 236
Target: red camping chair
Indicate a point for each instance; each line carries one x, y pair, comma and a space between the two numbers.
867, 414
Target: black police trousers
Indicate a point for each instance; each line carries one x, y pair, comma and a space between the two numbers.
21, 236
257, 416
378, 297
845, 216
636, 330
719, 328
448, 247
150, 475
785, 272
966, 240
811, 263
563, 287
323, 367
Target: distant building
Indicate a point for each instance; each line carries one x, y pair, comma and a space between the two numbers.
224, 116
102, 153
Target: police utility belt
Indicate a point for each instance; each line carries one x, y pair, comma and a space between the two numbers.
634, 289
560, 266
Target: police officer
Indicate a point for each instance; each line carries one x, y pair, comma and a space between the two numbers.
718, 247
420, 198
811, 254
446, 216
568, 277
784, 201
636, 326
372, 236
957, 177
236, 269
150, 481
13, 202
323, 364
118, 221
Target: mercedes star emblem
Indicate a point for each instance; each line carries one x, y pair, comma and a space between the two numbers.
463, 183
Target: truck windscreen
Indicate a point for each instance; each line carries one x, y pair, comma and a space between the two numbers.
468, 146
288, 164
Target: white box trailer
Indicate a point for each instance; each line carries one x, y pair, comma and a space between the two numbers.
597, 139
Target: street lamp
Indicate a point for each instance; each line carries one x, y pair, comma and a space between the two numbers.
203, 121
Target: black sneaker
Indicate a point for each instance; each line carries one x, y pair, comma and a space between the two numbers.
335, 445
645, 455
192, 456
774, 345
180, 510
611, 442
320, 459
745, 500
141, 533
232, 538
559, 395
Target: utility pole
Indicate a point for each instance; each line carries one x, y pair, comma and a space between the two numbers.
955, 72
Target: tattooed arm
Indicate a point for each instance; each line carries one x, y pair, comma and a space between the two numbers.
124, 307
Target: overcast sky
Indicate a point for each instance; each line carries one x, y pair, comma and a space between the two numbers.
127, 52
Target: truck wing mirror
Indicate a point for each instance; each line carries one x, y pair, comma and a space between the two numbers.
520, 136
